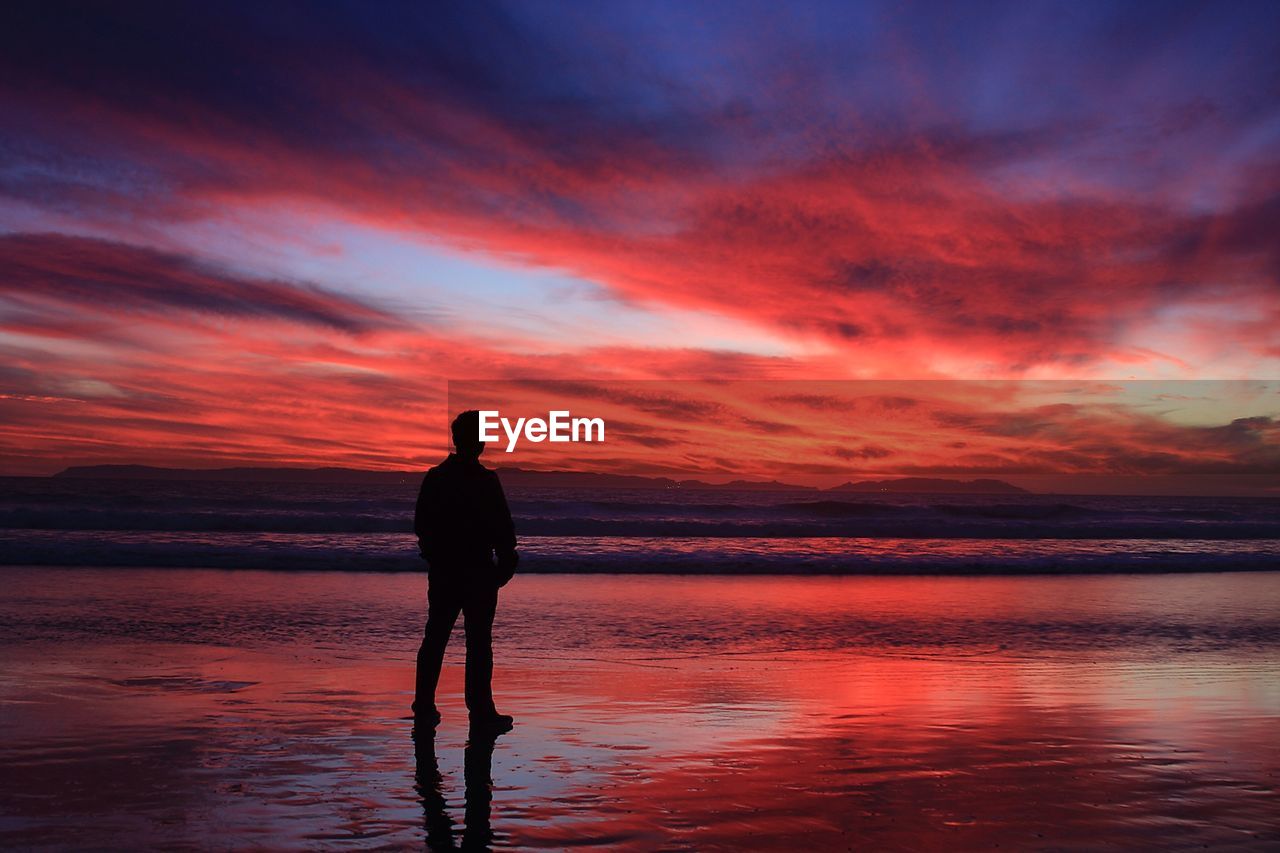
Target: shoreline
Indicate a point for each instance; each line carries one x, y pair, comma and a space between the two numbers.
830, 556
912, 572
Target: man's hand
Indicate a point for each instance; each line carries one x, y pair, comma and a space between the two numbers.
507, 562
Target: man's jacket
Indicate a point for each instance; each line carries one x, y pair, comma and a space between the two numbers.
462, 519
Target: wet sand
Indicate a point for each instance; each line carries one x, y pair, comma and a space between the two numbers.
216, 709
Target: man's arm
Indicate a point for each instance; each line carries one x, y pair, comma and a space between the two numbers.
504, 535
424, 517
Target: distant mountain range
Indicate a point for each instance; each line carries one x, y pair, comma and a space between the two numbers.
241, 475
523, 478
929, 485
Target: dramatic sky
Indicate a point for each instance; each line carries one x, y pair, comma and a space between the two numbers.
270, 233
1076, 436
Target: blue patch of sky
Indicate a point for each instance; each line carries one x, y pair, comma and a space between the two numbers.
467, 292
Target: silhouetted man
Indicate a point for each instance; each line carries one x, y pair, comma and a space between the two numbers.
463, 522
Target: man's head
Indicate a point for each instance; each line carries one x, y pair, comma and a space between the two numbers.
466, 435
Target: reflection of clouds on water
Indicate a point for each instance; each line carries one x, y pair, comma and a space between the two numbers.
267, 709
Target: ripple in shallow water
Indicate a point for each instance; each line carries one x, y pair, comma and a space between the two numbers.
206, 708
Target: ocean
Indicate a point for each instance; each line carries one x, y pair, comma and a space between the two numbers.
84, 522
1093, 675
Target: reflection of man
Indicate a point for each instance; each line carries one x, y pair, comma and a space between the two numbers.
477, 774
462, 522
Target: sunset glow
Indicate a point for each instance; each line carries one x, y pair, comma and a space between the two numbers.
276, 241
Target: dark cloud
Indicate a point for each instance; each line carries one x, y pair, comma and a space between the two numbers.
866, 451
814, 402
420, 94
771, 427
651, 398
116, 278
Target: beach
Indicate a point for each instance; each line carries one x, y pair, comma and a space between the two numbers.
191, 708
866, 415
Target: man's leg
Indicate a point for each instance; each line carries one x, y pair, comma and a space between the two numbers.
478, 609
444, 601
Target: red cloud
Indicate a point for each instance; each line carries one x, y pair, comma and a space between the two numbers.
903, 244
909, 255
